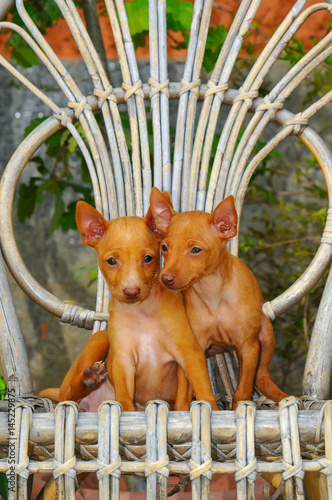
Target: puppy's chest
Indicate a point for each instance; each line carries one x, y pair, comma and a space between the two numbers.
143, 336
213, 325
148, 349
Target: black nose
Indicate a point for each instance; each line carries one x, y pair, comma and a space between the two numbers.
168, 279
131, 293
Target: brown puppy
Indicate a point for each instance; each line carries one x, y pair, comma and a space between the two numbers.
149, 332
222, 298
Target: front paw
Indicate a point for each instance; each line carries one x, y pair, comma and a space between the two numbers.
95, 375
127, 405
214, 405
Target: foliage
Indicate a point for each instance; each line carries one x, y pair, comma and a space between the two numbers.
279, 242
56, 178
44, 13
92, 272
283, 237
179, 14
3, 486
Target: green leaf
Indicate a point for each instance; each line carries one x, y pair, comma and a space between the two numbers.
3, 388
92, 270
40, 197
79, 273
51, 11
328, 60
215, 40
58, 212
33, 124
138, 16
57, 138
27, 197
72, 145
179, 15
321, 214
139, 40
66, 134
67, 219
24, 55
250, 242
294, 51
3, 486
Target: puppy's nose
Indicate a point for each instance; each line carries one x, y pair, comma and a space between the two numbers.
131, 293
167, 279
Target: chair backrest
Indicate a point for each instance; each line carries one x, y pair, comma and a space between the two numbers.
122, 181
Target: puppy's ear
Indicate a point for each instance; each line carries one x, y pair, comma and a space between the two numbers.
224, 218
161, 209
167, 197
90, 223
151, 223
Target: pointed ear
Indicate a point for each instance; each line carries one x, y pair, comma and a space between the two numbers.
151, 223
90, 223
167, 197
161, 209
224, 218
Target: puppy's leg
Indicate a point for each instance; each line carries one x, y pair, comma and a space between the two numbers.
263, 378
248, 354
73, 387
182, 401
192, 360
122, 369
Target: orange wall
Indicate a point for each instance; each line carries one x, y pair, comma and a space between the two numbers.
269, 16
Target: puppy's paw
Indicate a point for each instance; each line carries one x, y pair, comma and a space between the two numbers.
127, 405
95, 375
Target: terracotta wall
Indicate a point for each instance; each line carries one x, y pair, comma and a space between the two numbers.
269, 16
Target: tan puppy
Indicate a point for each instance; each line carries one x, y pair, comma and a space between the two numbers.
149, 332
222, 298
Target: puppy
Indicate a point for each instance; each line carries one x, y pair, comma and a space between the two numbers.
148, 331
222, 298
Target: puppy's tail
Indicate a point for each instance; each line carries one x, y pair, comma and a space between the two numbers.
52, 393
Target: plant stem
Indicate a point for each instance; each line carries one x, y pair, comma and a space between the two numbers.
287, 242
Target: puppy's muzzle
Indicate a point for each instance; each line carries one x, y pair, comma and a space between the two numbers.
168, 279
131, 293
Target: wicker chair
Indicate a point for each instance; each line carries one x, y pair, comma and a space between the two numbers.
285, 444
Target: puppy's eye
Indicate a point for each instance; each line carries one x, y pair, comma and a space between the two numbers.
147, 259
164, 248
196, 250
111, 261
